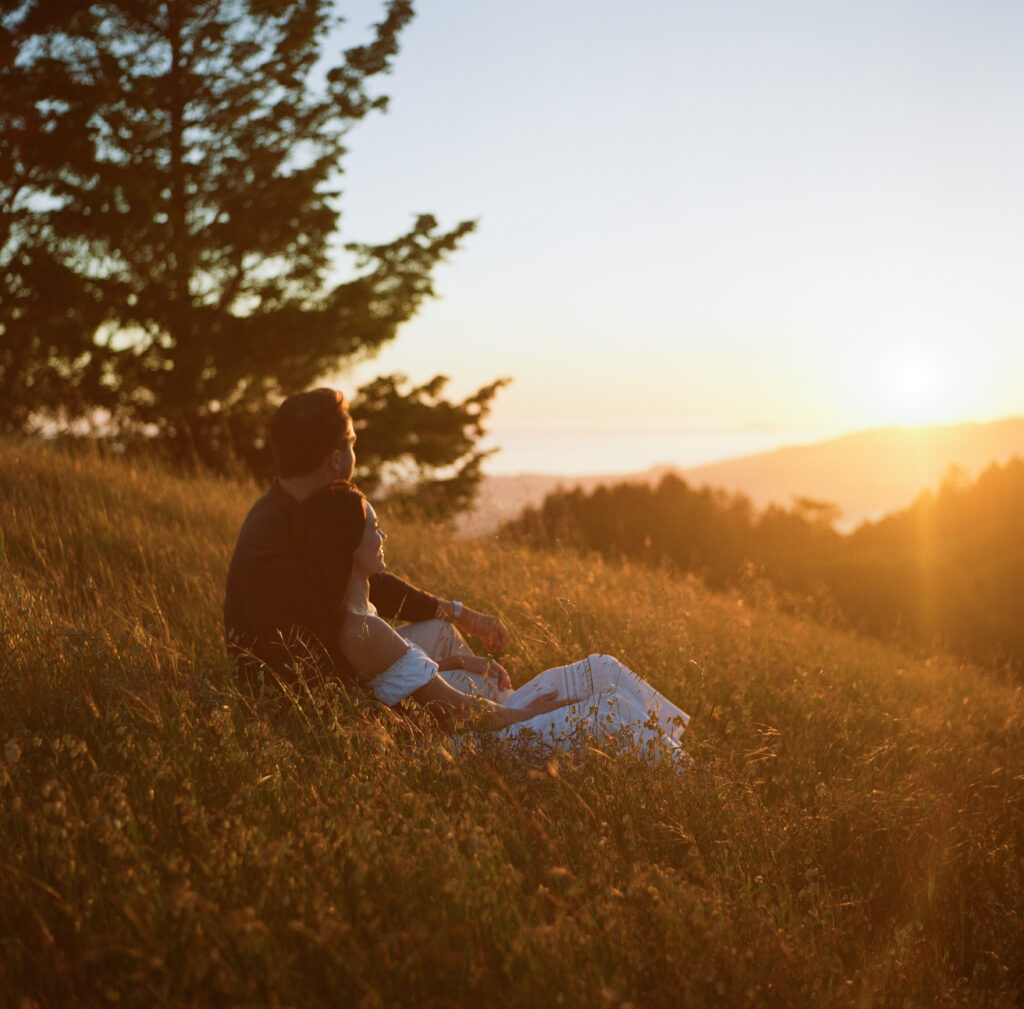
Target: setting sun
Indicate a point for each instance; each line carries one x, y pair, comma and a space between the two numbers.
916, 386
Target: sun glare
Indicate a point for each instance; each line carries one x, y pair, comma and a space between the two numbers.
916, 387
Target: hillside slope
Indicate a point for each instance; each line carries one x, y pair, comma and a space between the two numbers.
849, 834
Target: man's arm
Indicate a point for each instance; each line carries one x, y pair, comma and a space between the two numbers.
489, 629
396, 599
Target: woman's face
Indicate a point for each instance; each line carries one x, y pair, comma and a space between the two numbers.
369, 555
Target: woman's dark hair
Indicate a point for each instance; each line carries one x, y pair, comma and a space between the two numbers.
306, 428
331, 526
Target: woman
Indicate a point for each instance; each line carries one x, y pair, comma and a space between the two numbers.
343, 546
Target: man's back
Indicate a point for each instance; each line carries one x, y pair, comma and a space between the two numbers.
267, 609
265, 586
268, 606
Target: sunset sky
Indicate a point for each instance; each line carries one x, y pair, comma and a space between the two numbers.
717, 226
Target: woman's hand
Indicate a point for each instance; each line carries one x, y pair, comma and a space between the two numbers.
481, 665
540, 705
443, 699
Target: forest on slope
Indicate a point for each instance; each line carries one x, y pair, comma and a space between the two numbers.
947, 572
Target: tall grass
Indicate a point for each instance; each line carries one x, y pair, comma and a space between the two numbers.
851, 833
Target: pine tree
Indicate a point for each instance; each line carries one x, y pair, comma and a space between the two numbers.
169, 189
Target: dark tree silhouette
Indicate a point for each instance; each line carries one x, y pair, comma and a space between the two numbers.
169, 190
410, 439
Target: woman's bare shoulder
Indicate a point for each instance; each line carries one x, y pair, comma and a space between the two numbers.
370, 644
357, 618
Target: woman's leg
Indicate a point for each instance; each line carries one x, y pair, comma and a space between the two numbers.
671, 719
575, 681
609, 696
439, 639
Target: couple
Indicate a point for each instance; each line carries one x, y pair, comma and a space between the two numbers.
308, 576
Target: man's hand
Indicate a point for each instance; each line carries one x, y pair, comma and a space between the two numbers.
490, 630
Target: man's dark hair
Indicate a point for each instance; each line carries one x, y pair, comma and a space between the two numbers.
306, 428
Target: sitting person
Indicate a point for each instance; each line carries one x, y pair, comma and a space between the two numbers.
342, 543
272, 620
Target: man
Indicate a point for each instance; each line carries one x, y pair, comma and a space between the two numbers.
268, 614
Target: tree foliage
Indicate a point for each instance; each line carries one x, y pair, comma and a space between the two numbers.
169, 195
403, 438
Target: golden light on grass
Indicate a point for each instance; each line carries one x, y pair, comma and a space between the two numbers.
849, 834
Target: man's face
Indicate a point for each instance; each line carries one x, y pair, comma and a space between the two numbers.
343, 458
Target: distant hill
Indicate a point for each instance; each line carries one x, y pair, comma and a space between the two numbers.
503, 498
870, 473
866, 474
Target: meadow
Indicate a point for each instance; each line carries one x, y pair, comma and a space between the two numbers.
851, 832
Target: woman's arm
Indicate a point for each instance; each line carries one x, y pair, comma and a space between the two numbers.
372, 646
441, 697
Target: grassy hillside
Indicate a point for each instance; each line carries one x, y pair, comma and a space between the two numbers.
852, 832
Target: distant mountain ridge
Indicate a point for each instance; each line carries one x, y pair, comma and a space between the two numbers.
866, 474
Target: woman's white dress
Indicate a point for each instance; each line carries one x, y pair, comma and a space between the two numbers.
609, 700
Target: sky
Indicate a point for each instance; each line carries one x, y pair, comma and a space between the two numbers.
705, 228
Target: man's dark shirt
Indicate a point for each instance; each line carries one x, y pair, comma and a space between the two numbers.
267, 603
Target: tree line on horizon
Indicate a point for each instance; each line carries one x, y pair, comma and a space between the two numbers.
169, 215
946, 572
